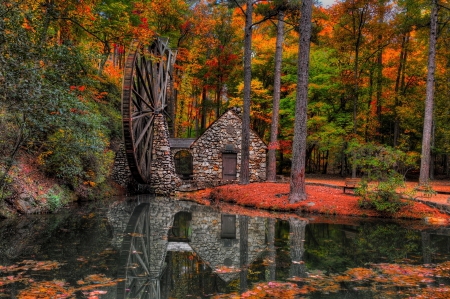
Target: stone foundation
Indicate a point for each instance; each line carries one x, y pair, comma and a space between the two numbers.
164, 180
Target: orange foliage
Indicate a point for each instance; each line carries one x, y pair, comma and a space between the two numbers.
322, 199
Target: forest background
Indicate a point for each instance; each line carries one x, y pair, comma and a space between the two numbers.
61, 70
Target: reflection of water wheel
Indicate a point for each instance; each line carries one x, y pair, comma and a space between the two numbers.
134, 271
144, 95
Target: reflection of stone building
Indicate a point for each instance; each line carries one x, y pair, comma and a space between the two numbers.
221, 251
206, 238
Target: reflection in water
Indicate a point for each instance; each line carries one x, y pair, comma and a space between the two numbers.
196, 250
297, 242
171, 249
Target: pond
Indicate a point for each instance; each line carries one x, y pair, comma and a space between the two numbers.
161, 248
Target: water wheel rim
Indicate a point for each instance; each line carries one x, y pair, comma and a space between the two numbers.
138, 112
134, 270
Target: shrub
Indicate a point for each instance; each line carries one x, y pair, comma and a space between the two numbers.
56, 198
382, 196
387, 167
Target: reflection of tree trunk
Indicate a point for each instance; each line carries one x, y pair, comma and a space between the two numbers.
166, 285
243, 251
271, 245
297, 243
426, 243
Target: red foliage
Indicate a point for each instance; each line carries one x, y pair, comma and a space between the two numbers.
326, 200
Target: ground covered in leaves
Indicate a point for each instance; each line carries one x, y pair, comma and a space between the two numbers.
327, 199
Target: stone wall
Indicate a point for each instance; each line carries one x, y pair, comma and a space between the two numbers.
207, 243
164, 180
207, 150
121, 173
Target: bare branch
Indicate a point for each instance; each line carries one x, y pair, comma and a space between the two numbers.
240, 7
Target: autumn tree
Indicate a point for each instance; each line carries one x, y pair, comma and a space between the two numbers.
273, 145
429, 101
297, 185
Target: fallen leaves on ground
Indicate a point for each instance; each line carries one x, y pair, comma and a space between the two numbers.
321, 200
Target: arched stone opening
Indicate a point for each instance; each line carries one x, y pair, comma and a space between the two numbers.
183, 164
181, 228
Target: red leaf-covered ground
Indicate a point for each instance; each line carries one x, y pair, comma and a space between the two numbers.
328, 200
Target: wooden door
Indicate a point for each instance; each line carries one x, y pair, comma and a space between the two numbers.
229, 166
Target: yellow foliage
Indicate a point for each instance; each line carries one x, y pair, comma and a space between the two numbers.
41, 158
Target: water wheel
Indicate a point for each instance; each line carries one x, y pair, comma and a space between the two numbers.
136, 280
145, 93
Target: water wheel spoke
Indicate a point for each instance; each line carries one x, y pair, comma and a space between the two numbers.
139, 97
143, 239
131, 286
148, 66
146, 147
144, 131
142, 81
142, 289
139, 259
146, 153
144, 114
167, 113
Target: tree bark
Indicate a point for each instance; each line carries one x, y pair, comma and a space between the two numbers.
245, 143
273, 145
297, 186
429, 101
358, 26
399, 85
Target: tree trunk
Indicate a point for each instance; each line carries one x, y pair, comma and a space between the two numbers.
273, 145
245, 145
358, 32
380, 71
203, 119
397, 89
432, 153
297, 185
429, 101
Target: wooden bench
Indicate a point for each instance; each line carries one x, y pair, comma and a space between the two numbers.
351, 183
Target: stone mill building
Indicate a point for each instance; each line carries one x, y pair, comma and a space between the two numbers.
216, 154
214, 158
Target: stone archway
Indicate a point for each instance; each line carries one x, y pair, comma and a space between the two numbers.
183, 164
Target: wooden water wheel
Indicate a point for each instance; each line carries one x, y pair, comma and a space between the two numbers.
145, 94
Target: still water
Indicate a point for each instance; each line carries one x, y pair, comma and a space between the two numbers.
161, 248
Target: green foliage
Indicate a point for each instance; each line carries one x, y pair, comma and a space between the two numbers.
387, 167
53, 104
383, 196
56, 198
376, 161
